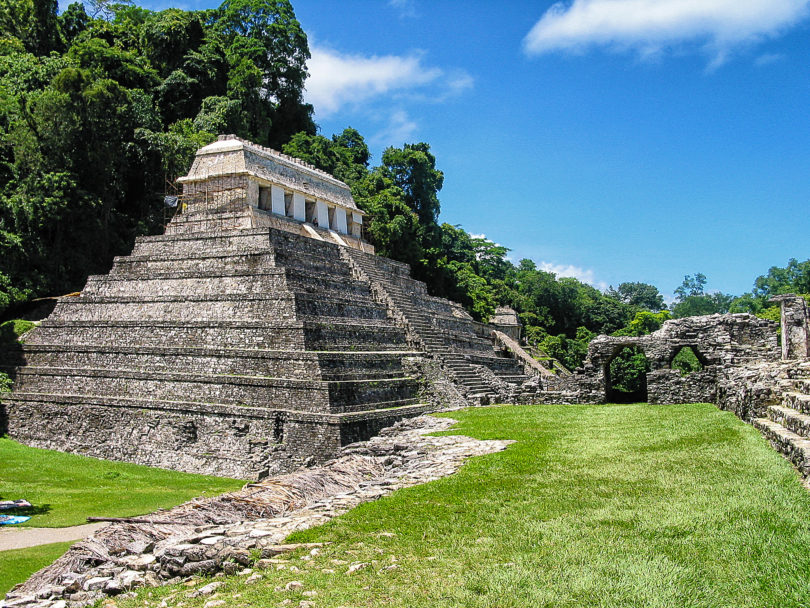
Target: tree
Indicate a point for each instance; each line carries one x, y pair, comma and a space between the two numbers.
412, 168
793, 278
644, 322
169, 36
345, 156
73, 21
641, 295
267, 51
692, 300
707, 304
281, 50
32, 22
692, 285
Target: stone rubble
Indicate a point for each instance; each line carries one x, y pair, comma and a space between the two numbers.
405, 457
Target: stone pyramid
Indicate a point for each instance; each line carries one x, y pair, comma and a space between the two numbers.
258, 334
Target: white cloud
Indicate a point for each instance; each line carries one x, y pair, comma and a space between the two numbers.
338, 80
399, 130
768, 59
649, 26
569, 270
405, 8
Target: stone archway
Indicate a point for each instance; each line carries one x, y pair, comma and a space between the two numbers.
626, 375
687, 360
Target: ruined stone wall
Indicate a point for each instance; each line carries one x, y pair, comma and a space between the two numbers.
667, 386
795, 331
719, 341
231, 442
749, 390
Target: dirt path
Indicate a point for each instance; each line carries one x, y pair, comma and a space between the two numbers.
20, 538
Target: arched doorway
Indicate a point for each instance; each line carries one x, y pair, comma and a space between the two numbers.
626, 376
687, 360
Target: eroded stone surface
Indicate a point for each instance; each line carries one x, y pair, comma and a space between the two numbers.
400, 457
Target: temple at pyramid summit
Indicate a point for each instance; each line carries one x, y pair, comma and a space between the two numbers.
258, 334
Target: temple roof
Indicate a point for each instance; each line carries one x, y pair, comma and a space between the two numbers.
230, 155
504, 315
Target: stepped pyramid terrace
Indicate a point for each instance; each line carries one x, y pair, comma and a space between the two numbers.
258, 334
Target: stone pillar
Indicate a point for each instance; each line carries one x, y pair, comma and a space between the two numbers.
795, 335
357, 225
277, 200
322, 213
253, 193
299, 207
340, 220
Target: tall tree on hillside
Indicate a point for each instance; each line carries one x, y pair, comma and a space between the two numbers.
795, 278
413, 169
268, 51
692, 299
345, 156
641, 295
33, 22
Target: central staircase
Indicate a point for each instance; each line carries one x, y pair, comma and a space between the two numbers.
438, 327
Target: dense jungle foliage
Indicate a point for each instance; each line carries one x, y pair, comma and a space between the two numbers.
104, 104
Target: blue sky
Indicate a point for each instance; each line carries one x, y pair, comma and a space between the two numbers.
612, 140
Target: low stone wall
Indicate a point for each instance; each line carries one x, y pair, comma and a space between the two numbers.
748, 390
667, 386
231, 441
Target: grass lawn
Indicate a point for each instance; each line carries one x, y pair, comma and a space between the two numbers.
17, 565
65, 489
597, 506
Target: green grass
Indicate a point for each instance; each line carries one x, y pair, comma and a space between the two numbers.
65, 489
597, 506
18, 564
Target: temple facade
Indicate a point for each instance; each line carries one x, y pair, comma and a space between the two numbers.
233, 174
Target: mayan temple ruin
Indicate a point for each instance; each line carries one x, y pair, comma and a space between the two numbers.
258, 334
261, 333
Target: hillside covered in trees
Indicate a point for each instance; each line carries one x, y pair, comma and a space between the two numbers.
103, 105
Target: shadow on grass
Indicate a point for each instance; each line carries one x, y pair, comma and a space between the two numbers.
30, 511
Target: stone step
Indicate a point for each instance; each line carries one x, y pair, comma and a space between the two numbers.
515, 379
790, 419
797, 401
795, 385
253, 306
320, 334
253, 391
794, 447
382, 408
269, 363
154, 265
188, 246
301, 252
181, 270
213, 282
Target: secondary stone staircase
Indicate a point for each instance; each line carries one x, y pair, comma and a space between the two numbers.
438, 326
787, 425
